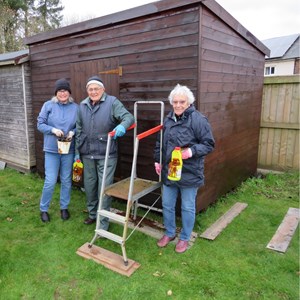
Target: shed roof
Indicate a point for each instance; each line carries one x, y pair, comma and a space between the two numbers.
144, 10
284, 46
14, 58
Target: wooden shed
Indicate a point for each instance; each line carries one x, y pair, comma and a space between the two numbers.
17, 148
141, 54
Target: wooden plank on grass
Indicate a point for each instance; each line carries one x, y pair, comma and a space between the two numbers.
285, 231
215, 229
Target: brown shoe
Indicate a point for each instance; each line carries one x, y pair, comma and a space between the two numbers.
164, 241
89, 221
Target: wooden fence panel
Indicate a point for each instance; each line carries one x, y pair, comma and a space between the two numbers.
279, 133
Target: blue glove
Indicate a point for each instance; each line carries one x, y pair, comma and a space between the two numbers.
76, 157
119, 131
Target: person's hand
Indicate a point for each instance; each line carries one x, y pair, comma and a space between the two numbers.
186, 153
119, 131
77, 157
57, 132
157, 168
70, 135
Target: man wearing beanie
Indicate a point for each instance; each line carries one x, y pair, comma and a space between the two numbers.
99, 114
57, 119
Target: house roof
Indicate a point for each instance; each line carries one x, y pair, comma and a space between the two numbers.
14, 58
142, 11
284, 47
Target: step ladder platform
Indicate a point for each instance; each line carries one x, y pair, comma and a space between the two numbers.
141, 188
108, 259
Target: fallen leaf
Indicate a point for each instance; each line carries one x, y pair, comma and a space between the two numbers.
9, 219
158, 274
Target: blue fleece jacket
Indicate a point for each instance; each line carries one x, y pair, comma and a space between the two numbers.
60, 116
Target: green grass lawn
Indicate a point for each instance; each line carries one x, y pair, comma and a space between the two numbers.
39, 261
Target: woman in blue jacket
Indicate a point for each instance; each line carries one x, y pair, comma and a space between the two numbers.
57, 119
187, 128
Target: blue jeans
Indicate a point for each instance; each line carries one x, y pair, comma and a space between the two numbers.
55, 163
188, 210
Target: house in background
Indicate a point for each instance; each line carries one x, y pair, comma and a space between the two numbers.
17, 143
285, 55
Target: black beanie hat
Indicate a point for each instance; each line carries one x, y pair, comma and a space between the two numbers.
62, 84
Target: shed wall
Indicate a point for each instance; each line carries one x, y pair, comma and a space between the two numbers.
16, 123
230, 85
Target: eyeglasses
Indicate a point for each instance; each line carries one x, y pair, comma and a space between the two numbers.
90, 90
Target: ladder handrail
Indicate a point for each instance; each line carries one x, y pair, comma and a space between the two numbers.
149, 132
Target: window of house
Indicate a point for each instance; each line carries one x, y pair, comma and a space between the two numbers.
270, 71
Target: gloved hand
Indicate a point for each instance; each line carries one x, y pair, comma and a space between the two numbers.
186, 153
119, 131
157, 168
70, 135
57, 132
77, 157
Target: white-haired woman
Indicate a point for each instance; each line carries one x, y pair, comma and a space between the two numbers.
187, 128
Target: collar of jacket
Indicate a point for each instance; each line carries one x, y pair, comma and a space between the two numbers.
185, 114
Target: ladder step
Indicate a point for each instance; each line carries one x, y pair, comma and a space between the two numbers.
110, 236
113, 216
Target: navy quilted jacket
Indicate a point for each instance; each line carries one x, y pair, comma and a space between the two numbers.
193, 131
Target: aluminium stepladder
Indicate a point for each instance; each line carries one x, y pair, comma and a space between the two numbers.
130, 189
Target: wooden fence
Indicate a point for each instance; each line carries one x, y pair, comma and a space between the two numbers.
279, 133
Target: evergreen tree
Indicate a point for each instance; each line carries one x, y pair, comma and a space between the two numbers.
21, 18
50, 13
9, 24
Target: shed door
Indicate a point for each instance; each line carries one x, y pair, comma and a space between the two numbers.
107, 69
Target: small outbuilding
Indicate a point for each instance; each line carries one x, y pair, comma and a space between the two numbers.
141, 54
17, 144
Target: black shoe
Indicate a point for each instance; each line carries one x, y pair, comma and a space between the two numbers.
64, 213
89, 221
45, 216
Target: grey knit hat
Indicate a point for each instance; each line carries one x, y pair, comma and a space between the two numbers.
96, 80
